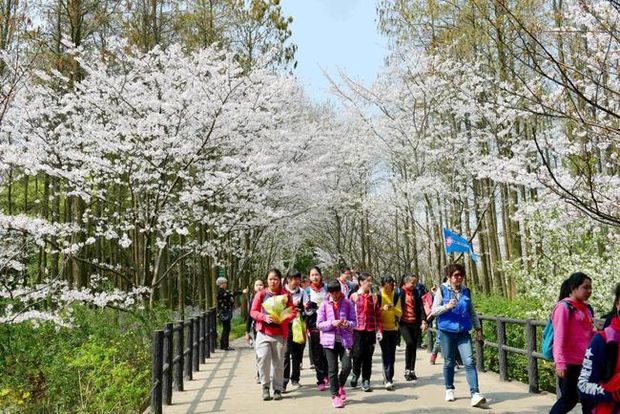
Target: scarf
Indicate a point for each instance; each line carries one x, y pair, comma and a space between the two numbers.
581, 306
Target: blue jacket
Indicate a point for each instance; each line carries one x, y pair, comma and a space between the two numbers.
459, 319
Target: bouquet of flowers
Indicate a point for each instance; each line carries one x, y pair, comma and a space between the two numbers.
276, 307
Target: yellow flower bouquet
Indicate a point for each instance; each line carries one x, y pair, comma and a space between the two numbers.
276, 307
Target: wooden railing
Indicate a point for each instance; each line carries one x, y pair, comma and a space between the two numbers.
178, 350
531, 351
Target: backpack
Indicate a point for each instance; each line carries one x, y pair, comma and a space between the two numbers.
547, 338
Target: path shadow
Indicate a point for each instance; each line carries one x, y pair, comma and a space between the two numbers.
219, 400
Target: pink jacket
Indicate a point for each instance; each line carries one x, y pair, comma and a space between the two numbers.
572, 333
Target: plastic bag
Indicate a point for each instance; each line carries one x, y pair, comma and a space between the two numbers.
299, 330
276, 307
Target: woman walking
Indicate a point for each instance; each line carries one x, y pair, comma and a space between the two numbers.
412, 318
294, 351
250, 325
225, 304
316, 293
573, 329
454, 309
390, 312
271, 337
368, 329
336, 320
599, 382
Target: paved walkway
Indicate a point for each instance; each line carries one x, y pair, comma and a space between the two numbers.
225, 384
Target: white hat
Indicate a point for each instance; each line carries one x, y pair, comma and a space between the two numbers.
220, 281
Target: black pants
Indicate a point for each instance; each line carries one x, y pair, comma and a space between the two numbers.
363, 351
225, 334
410, 333
318, 357
310, 356
568, 393
337, 380
292, 359
388, 354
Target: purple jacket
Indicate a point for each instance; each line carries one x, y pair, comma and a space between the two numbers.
325, 317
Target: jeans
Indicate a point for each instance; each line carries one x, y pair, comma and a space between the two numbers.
337, 380
318, 357
292, 359
410, 333
388, 354
225, 334
450, 342
363, 351
568, 393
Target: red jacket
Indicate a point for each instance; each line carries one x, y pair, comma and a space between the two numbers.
258, 314
368, 311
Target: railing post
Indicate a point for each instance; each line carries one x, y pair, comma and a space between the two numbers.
213, 329
158, 360
179, 357
208, 334
168, 351
480, 350
196, 343
203, 336
190, 350
501, 352
532, 362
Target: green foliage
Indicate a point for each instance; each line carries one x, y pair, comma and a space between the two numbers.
520, 308
580, 245
101, 364
237, 328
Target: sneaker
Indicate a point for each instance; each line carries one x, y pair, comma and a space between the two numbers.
266, 395
321, 386
449, 395
295, 385
342, 393
354, 380
337, 402
366, 386
389, 386
477, 399
413, 376
277, 395
433, 359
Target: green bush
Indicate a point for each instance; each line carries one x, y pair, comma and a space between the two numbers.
515, 337
101, 364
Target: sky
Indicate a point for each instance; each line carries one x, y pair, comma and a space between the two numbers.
332, 35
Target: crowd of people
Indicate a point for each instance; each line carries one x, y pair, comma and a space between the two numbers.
343, 319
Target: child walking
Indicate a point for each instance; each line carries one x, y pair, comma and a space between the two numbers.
368, 329
336, 320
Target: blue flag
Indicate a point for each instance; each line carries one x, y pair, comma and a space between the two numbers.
455, 243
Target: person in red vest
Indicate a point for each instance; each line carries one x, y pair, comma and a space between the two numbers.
271, 337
